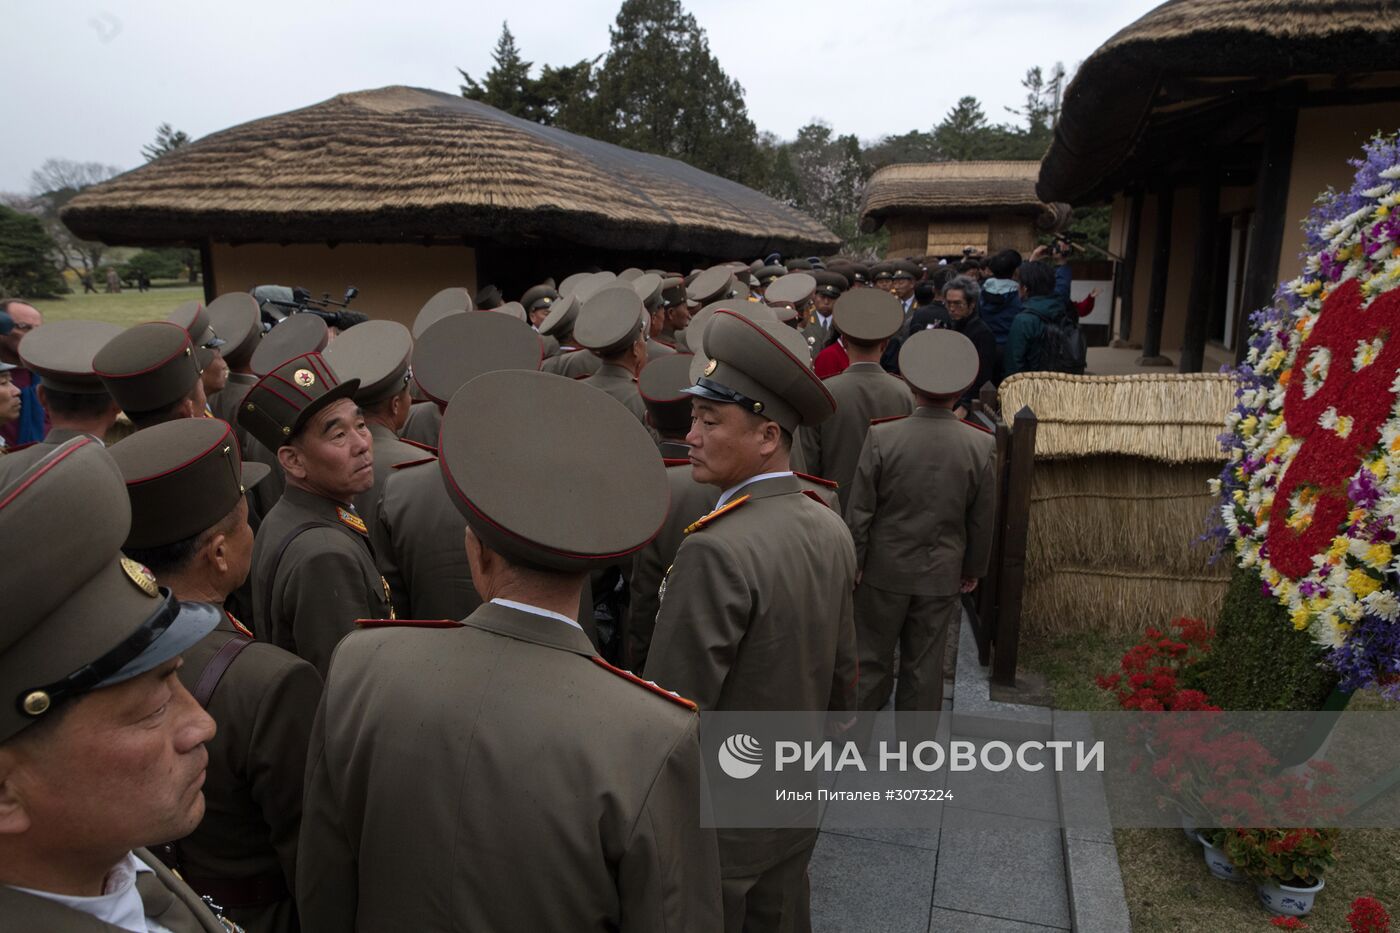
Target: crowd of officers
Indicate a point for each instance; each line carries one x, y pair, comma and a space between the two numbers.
407, 628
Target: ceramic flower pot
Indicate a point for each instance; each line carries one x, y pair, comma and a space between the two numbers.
1188, 824
1288, 901
1219, 865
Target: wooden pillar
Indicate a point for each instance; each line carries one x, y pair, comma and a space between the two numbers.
1193, 344
1015, 527
206, 270
1270, 222
1124, 280
1157, 290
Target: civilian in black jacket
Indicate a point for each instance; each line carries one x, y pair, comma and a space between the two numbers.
960, 297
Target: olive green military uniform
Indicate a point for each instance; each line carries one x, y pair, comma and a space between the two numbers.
756, 611
417, 538
573, 364
313, 571
167, 901
244, 853
863, 393
495, 772
921, 513
224, 404
424, 423
620, 384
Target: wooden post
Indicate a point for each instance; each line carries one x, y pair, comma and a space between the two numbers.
1193, 343
1270, 220
989, 591
1157, 291
1127, 269
987, 395
206, 270
1015, 527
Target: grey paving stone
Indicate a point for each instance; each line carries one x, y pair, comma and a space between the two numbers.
862, 886
1002, 866
1083, 801
1097, 901
942, 920
899, 836
1013, 792
971, 699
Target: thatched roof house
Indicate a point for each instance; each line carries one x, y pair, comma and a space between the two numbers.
1119, 499
1211, 125
938, 208
385, 177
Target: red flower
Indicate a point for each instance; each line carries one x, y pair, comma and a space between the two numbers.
1368, 916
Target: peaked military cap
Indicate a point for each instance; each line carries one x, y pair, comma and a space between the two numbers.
462, 347
194, 318
541, 296
762, 369
549, 432
489, 297
662, 385
235, 317
377, 354
566, 287
562, 316
904, 269
881, 270
767, 274
629, 274
511, 309
448, 301
793, 288
859, 273
183, 477
148, 367
798, 265
297, 335
610, 321
753, 310
648, 288
713, 284
830, 284
281, 402
938, 362
62, 354
673, 292
869, 314
586, 288
78, 615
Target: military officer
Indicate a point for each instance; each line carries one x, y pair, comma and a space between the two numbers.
208, 346
417, 533
793, 292
151, 372
714, 284
675, 304
755, 613
186, 482
921, 512
73, 396
612, 325
864, 392
648, 287
313, 570
572, 360
537, 301
424, 418
102, 750
377, 354
830, 287
517, 732
236, 317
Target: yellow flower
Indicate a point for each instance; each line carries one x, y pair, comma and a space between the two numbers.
1248, 425
1310, 289
1383, 210
1338, 548
1300, 618
1378, 555
1378, 467
1239, 497
1277, 420
1361, 583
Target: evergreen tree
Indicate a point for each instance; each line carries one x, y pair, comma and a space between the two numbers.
661, 90
964, 135
507, 86
168, 139
26, 257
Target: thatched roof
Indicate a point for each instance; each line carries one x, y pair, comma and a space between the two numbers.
1190, 55
402, 164
941, 189
1174, 418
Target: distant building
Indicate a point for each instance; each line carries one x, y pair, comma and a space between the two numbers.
1211, 126
940, 208
402, 192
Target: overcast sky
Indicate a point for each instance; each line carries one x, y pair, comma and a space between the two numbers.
90, 80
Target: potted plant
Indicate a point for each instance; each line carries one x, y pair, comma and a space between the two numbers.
1286, 865
1212, 849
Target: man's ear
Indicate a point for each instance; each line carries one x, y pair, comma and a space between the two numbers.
14, 818
216, 552
43, 396
289, 458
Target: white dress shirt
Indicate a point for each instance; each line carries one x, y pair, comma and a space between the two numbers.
728, 493
536, 610
119, 903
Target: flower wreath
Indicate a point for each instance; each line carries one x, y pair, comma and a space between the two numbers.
1310, 494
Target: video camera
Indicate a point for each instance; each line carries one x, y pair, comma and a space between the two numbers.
277, 302
1065, 242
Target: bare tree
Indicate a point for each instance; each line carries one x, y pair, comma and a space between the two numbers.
53, 185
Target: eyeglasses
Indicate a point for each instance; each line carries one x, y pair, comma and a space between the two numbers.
954, 303
23, 328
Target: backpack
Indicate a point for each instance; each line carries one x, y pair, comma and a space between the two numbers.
1062, 347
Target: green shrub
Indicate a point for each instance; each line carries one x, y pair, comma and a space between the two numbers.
26, 264
1258, 661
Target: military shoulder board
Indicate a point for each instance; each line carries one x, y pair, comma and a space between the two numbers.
973, 424
409, 463
428, 447
875, 421
647, 684
410, 623
350, 520
675, 461
706, 521
820, 481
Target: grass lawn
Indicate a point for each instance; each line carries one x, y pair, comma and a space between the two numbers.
1164, 877
130, 307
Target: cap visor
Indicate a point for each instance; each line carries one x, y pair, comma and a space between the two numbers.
254, 473
193, 622
702, 392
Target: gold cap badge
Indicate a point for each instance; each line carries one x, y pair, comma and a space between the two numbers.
711, 366
304, 378
141, 575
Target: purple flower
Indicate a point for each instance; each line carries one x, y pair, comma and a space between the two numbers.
1362, 489
1369, 657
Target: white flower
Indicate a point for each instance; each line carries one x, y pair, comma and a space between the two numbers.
1383, 603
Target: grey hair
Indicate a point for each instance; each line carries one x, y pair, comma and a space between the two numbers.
966, 284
